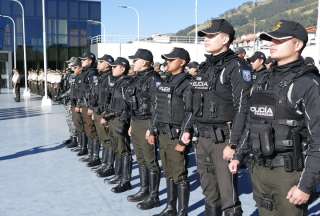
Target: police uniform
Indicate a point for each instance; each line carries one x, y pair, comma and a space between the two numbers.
282, 130
172, 117
257, 74
140, 97
119, 120
220, 93
89, 78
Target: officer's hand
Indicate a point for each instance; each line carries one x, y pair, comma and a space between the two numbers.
147, 134
90, 112
129, 131
228, 153
297, 196
233, 166
77, 109
151, 139
186, 138
103, 121
180, 148
80, 110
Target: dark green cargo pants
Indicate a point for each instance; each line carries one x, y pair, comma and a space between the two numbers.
146, 155
77, 121
89, 127
270, 189
173, 162
119, 136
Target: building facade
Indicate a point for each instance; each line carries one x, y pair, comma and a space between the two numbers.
67, 26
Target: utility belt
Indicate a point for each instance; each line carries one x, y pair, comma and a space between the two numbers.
171, 130
111, 115
286, 160
141, 117
219, 132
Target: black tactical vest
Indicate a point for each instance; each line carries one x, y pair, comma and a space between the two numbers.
169, 106
276, 126
212, 105
138, 95
117, 102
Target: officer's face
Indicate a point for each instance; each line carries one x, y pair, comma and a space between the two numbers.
192, 71
76, 70
214, 43
86, 62
138, 64
285, 49
102, 66
256, 64
118, 70
174, 65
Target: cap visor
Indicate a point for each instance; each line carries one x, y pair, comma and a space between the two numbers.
168, 56
274, 36
204, 33
132, 57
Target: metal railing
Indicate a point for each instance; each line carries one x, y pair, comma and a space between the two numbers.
132, 38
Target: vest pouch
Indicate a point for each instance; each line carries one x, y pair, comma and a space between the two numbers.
219, 135
266, 140
213, 109
198, 105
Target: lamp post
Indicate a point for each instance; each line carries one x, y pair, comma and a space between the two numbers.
138, 18
46, 101
26, 92
14, 39
196, 25
102, 25
317, 60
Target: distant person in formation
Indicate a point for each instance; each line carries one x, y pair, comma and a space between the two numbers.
16, 84
257, 63
282, 127
241, 53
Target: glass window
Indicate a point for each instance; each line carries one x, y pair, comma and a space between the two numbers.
62, 39
29, 8
63, 9
5, 7
62, 27
74, 41
74, 10
95, 11
51, 9
84, 10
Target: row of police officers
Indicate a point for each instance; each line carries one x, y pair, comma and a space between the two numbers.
270, 123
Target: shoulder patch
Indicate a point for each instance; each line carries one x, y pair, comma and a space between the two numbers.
246, 75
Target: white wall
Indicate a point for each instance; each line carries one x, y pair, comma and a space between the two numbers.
124, 50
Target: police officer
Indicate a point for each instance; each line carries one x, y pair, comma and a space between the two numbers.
119, 119
140, 97
284, 117
172, 119
219, 97
105, 90
193, 68
104, 69
77, 120
89, 79
257, 61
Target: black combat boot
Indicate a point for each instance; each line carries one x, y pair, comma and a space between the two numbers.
183, 198
118, 171
74, 142
67, 142
144, 189
124, 184
235, 211
83, 145
213, 210
90, 151
107, 169
171, 207
152, 200
96, 150
78, 147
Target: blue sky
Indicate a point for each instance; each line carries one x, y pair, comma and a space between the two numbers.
159, 16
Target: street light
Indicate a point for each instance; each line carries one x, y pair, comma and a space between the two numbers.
26, 92
102, 25
14, 39
196, 17
45, 100
138, 17
318, 38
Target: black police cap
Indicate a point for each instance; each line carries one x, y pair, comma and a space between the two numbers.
74, 61
143, 54
176, 53
257, 55
285, 29
193, 64
88, 55
108, 58
216, 26
121, 61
